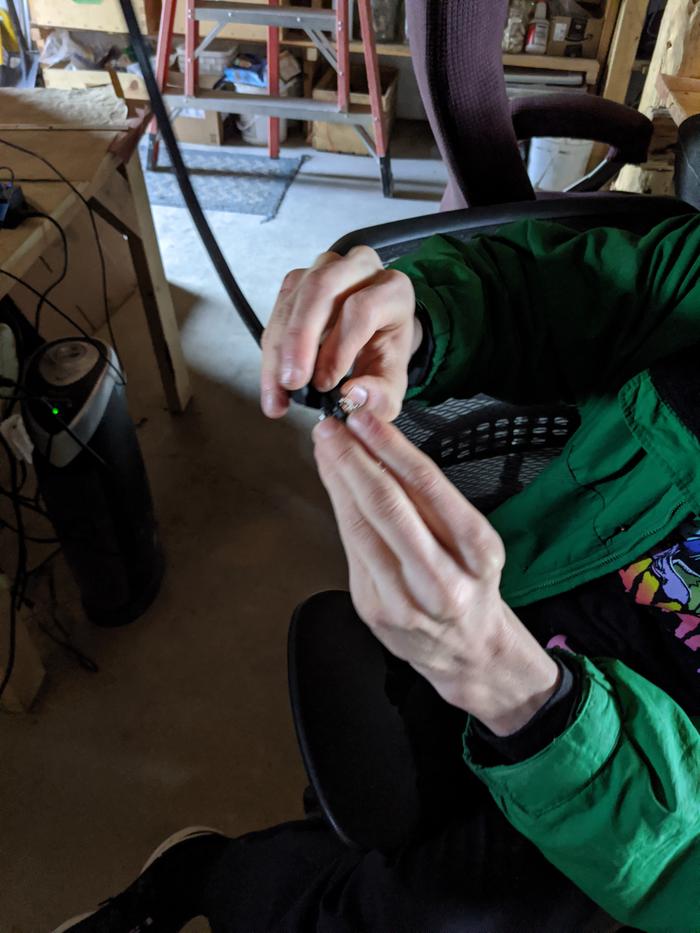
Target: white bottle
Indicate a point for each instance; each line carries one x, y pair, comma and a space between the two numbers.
538, 31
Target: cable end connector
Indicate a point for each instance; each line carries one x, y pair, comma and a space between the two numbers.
13, 207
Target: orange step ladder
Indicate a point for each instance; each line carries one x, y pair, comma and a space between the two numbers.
322, 26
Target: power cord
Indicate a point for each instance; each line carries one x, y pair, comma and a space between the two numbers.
66, 317
18, 582
64, 270
98, 242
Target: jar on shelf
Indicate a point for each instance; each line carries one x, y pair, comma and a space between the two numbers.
519, 13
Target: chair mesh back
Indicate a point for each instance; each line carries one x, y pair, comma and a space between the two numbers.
490, 450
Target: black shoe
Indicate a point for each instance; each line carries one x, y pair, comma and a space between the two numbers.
166, 895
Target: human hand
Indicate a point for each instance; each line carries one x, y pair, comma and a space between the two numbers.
425, 569
342, 313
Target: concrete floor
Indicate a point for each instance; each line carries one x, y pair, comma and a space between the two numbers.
187, 721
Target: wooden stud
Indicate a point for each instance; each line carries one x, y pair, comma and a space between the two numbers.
677, 52
623, 49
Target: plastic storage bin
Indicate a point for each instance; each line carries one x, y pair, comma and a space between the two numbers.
213, 60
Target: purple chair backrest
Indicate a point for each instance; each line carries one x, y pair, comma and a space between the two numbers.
456, 51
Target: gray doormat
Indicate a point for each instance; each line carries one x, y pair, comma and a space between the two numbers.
224, 181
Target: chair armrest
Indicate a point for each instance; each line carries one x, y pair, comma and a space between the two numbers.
635, 212
585, 116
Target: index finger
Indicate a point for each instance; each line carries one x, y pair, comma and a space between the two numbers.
315, 303
461, 529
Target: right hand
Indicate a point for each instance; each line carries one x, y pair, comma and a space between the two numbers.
345, 312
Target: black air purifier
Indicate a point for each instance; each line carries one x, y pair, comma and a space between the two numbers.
92, 477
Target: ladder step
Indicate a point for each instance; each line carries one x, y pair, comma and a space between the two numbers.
292, 17
294, 108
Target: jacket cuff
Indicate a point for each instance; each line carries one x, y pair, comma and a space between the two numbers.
576, 755
546, 724
440, 324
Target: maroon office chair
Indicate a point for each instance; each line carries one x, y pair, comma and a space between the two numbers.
456, 52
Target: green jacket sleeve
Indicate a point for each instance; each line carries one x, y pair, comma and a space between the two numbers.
614, 801
539, 313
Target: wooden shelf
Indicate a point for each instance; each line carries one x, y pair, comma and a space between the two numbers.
589, 66
383, 48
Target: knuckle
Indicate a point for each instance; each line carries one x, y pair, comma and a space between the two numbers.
365, 254
427, 482
321, 280
398, 280
385, 505
488, 542
359, 305
292, 279
460, 599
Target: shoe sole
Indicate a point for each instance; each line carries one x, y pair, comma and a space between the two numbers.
190, 833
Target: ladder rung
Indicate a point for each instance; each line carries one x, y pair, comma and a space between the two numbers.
294, 108
293, 17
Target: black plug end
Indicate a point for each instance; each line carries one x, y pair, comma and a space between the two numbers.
12, 206
327, 402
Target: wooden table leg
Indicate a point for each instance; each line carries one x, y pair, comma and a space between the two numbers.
156, 296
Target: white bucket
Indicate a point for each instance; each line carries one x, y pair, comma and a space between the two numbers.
554, 164
254, 128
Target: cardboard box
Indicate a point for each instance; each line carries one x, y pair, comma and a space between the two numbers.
576, 36
193, 126
102, 15
338, 137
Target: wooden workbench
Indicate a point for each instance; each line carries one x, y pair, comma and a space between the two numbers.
85, 135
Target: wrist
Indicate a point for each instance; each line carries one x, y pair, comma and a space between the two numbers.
521, 678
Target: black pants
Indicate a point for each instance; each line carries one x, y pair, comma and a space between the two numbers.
465, 870
475, 875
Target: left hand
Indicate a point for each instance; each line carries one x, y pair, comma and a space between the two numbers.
425, 569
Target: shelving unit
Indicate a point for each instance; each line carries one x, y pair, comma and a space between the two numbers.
607, 74
591, 67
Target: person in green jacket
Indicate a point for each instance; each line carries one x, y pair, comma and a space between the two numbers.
563, 629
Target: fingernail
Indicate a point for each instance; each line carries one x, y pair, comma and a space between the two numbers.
325, 428
268, 401
361, 421
290, 375
323, 382
354, 399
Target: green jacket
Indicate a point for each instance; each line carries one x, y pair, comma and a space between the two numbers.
538, 313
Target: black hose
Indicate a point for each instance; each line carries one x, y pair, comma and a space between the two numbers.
238, 299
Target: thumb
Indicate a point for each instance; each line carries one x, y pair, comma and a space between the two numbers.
381, 396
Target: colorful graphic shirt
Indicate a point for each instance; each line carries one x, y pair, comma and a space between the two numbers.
646, 614
669, 580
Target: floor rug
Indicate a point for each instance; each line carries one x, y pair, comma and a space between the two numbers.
224, 181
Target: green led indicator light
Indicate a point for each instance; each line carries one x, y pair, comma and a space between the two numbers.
55, 411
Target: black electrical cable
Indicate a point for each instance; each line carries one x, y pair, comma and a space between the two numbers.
231, 286
69, 320
20, 571
98, 242
64, 270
